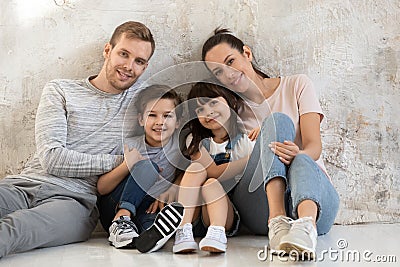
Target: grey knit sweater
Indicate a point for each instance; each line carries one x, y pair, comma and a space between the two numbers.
79, 132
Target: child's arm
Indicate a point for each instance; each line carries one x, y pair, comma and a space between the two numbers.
109, 181
170, 195
222, 171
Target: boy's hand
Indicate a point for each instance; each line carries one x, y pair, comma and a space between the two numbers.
253, 134
132, 156
286, 151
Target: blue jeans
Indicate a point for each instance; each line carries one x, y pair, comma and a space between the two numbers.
131, 194
304, 180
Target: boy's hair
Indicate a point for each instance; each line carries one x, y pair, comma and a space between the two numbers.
208, 90
133, 30
158, 91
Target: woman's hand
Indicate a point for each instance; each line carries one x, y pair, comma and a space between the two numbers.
167, 197
253, 134
132, 156
286, 151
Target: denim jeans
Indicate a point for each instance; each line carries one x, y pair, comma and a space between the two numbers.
304, 181
131, 194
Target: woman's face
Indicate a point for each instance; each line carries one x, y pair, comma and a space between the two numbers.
231, 67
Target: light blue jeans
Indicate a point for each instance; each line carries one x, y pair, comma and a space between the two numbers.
304, 181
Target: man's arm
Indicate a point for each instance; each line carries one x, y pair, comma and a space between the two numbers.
51, 137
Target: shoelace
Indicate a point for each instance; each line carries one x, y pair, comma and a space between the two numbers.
185, 233
125, 225
214, 233
277, 223
303, 224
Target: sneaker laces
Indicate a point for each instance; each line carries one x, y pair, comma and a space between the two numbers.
124, 224
215, 232
280, 223
305, 224
185, 232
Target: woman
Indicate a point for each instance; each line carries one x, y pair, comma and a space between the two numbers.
295, 199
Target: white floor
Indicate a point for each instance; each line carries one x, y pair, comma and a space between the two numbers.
356, 245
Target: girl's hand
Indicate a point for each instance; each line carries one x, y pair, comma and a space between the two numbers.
253, 134
153, 207
286, 151
132, 156
167, 197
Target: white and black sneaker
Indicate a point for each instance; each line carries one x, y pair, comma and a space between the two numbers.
122, 232
165, 225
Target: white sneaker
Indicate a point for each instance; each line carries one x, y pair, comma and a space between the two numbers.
301, 240
215, 239
184, 241
122, 231
277, 227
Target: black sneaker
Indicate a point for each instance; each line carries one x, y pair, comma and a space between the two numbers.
164, 226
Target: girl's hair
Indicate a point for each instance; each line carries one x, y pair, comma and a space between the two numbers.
158, 91
223, 35
203, 92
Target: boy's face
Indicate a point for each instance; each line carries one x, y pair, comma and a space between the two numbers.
159, 121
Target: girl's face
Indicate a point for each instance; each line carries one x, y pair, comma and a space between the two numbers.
214, 114
231, 67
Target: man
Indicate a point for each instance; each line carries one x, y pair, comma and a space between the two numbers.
78, 133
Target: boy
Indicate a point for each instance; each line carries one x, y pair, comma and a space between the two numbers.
128, 191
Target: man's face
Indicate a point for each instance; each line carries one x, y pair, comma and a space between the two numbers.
125, 62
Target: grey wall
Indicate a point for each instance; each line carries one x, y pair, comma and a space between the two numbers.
351, 50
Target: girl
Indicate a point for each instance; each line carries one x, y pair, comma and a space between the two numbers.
214, 131
297, 185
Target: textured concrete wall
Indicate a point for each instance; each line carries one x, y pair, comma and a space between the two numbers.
351, 50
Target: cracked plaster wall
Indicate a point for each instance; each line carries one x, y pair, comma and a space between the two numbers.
350, 49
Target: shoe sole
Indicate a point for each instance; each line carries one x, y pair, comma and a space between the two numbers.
210, 246
122, 244
177, 249
302, 252
212, 249
164, 226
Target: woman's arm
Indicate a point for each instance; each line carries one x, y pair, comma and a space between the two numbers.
311, 134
